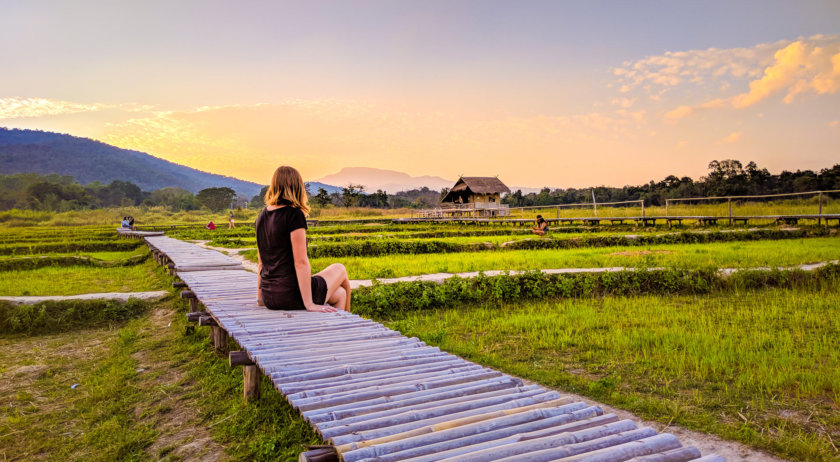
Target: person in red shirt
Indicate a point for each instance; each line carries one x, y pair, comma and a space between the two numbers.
211, 226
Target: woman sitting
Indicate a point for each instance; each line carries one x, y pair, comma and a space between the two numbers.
286, 281
542, 226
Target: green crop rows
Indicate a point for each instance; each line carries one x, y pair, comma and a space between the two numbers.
750, 356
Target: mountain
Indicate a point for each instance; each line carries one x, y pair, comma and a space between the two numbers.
390, 181
86, 160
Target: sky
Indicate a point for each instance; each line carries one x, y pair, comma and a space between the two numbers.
540, 93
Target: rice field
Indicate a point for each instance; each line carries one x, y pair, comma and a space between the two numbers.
758, 366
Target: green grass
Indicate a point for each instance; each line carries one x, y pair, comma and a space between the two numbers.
719, 254
83, 279
145, 391
759, 367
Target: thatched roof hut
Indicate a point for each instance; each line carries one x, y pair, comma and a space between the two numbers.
476, 189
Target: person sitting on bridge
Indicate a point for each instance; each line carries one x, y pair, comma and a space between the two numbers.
542, 226
124, 222
286, 281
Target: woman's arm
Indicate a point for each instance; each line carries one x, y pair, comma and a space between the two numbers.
304, 271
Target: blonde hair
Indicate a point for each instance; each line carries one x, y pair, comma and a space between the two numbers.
287, 185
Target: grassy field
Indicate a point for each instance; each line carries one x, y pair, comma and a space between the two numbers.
136, 390
758, 367
796, 206
73, 280
755, 366
718, 254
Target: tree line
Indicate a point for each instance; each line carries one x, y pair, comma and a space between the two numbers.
725, 178
62, 193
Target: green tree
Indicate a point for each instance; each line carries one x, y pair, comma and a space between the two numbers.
322, 198
215, 199
258, 201
351, 193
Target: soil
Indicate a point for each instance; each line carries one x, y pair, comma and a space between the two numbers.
182, 434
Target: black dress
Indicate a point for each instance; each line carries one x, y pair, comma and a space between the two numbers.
278, 279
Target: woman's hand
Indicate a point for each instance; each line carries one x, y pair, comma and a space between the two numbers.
321, 308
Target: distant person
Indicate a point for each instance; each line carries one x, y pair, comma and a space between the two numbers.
131, 222
124, 223
211, 226
542, 226
286, 281
231, 224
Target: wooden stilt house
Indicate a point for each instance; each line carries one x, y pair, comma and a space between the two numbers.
474, 196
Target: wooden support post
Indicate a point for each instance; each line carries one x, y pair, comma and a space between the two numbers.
195, 316
819, 216
667, 203
171, 267
251, 390
179, 284
220, 339
319, 454
190, 295
239, 358
730, 210
643, 208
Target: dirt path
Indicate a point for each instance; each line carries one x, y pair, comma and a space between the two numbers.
121, 296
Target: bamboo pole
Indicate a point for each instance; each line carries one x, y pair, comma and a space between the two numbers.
387, 402
579, 420
521, 444
317, 403
377, 448
434, 413
399, 407
395, 389
628, 450
346, 385
444, 425
674, 455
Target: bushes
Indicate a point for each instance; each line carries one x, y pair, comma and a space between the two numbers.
373, 248
78, 246
30, 263
382, 299
66, 315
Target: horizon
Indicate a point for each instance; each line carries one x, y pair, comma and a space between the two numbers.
562, 95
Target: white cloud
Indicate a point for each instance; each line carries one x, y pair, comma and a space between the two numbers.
804, 65
17, 107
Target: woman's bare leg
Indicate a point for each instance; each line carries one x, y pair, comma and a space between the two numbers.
338, 299
336, 277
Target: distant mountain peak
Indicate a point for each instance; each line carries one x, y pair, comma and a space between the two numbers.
391, 181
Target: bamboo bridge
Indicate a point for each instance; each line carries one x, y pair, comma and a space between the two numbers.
376, 395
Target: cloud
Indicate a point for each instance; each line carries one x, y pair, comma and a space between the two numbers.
803, 66
685, 111
18, 108
696, 67
731, 138
834, 124
798, 68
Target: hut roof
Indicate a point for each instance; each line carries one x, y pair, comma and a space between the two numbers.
477, 185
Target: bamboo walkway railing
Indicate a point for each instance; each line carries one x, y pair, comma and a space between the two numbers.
374, 394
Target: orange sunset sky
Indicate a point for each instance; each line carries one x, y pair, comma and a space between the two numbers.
561, 94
